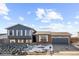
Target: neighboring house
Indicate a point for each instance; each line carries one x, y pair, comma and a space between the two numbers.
4, 39
75, 39
53, 37
20, 34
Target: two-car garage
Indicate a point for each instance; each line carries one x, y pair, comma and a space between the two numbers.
60, 41
60, 37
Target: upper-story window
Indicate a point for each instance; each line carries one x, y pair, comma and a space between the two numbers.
30, 32
17, 32
10, 32
25, 32
21, 32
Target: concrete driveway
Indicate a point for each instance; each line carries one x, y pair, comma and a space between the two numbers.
60, 47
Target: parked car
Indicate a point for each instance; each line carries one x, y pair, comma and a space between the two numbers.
49, 47
38, 48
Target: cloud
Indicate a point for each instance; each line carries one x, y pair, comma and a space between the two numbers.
45, 21
76, 22
4, 9
58, 27
68, 22
40, 13
47, 15
6, 18
21, 18
52, 27
77, 17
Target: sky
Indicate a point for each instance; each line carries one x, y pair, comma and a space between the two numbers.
54, 17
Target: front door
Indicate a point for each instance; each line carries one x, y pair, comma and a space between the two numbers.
34, 38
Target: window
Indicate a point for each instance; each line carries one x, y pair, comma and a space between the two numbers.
21, 32
26, 41
30, 41
12, 41
12, 32
16, 32
39, 38
20, 41
30, 32
8, 33
25, 32
43, 38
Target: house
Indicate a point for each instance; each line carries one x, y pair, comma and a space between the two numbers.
75, 39
23, 34
20, 34
53, 37
4, 39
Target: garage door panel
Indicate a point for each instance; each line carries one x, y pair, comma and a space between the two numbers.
60, 40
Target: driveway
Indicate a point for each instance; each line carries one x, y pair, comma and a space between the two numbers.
60, 47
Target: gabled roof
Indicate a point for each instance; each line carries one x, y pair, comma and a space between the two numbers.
19, 26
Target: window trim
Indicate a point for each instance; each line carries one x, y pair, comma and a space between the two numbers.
12, 32
25, 32
30, 32
45, 36
20, 41
21, 32
17, 32
14, 41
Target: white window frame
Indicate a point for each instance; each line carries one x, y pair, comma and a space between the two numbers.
30, 32
12, 32
17, 32
12, 40
8, 32
30, 41
21, 32
47, 38
27, 41
20, 41
40, 37
25, 32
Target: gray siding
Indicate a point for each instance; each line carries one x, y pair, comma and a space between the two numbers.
19, 36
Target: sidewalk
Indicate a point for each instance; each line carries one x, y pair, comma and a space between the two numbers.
67, 53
